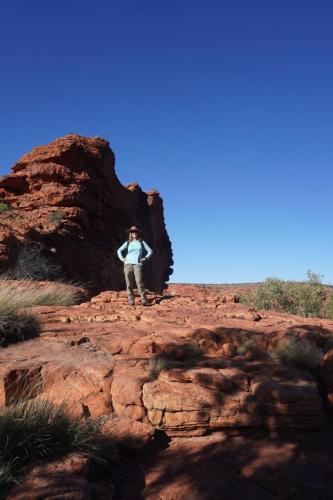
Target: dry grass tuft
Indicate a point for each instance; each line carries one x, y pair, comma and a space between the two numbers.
36, 429
16, 323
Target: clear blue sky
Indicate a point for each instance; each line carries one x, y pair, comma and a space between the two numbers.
225, 106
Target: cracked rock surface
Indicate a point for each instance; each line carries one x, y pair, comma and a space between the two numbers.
169, 378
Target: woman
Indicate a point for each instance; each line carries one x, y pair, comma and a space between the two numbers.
134, 253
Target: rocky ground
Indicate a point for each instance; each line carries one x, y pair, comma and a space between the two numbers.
195, 418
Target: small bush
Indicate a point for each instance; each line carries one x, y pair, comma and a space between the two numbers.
305, 299
55, 217
328, 307
4, 207
36, 429
299, 353
33, 263
249, 345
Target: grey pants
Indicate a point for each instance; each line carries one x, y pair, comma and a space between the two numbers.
132, 271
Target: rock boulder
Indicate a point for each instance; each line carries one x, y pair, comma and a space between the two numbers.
67, 197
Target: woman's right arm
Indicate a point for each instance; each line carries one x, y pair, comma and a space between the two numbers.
119, 251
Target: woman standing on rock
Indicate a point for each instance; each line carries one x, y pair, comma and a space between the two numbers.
134, 252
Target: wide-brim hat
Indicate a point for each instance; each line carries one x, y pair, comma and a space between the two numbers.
133, 228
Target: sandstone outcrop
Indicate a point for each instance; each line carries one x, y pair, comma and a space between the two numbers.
66, 196
177, 369
175, 366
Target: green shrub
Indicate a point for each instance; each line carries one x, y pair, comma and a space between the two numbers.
4, 207
305, 299
55, 217
328, 308
299, 353
36, 429
33, 263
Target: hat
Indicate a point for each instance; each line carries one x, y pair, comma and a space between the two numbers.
133, 228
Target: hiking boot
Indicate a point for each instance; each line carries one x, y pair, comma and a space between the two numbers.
144, 302
131, 301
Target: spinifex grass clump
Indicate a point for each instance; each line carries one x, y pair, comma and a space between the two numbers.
52, 294
35, 263
299, 353
17, 326
37, 429
305, 299
16, 323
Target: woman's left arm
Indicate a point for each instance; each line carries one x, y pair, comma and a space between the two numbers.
148, 250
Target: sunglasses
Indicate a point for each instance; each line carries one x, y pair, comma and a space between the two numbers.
134, 232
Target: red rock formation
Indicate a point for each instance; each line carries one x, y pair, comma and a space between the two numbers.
67, 196
99, 357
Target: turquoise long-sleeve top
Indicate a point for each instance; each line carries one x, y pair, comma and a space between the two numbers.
134, 252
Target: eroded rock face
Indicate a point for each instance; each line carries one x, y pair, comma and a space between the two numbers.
66, 195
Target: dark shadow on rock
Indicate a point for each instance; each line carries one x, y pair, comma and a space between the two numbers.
259, 466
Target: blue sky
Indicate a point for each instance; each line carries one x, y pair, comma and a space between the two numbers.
226, 107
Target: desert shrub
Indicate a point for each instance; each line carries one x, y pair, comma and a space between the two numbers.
328, 308
299, 353
249, 345
33, 263
304, 298
55, 217
36, 429
4, 207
